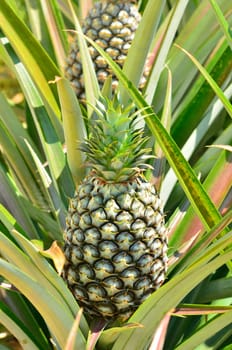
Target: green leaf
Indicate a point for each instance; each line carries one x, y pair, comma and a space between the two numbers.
16, 327
31, 53
12, 201
56, 203
110, 335
206, 332
70, 345
211, 82
56, 29
216, 188
52, 310
223, 23
160, 162
90, 79
18, 166
219, 65
23, 312
74, 128
163, 49
199, 35
216, 289
136, 58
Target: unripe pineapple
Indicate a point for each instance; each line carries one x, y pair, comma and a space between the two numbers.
115, 238
112, 25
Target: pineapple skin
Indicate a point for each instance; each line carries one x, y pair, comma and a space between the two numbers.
112, 25
115, 246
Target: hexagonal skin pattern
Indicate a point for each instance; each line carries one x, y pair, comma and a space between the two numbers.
115, 246
112, 25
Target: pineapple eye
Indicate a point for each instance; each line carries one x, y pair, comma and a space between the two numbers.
85, 272
79, 293
125, 33
96, 23
116, 42
123, 16
116, 27
103, 266
82, 205
122, 260
90, 251
138, 247
138, 224
131, 273
78, 236
156, 247
149, 233
111, 208
85, 190
125, 239
92, 235
123, 298
101, 62
109, 228
124, 220
85, 221
68, 234
137, 205
71, 275
76, 255
98, 217
113, 283
106, 19
96, 292
143, 283
145, 262
107, 248
156, 268
106, 308
74, 220
105, 34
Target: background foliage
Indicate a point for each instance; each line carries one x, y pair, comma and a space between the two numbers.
187, 99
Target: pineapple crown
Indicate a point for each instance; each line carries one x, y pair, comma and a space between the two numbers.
115, 147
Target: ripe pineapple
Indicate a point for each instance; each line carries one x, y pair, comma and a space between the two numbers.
112, 25
115, 238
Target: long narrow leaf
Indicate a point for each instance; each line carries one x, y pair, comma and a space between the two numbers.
57, 318
50, 274
211, 81
19, 167
11, 201
206, 332
74, 128
134, 64
200, 36
189, 182
90, 79
8, 319
219, 65
167, 39
30, 52
223, 23
56, 29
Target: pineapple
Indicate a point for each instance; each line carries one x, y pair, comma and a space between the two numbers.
112, 25
115, 238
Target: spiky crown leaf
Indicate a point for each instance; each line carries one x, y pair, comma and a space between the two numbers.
116, 147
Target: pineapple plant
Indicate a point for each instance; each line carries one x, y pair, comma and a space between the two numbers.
48, 150
112, 25
115, 240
